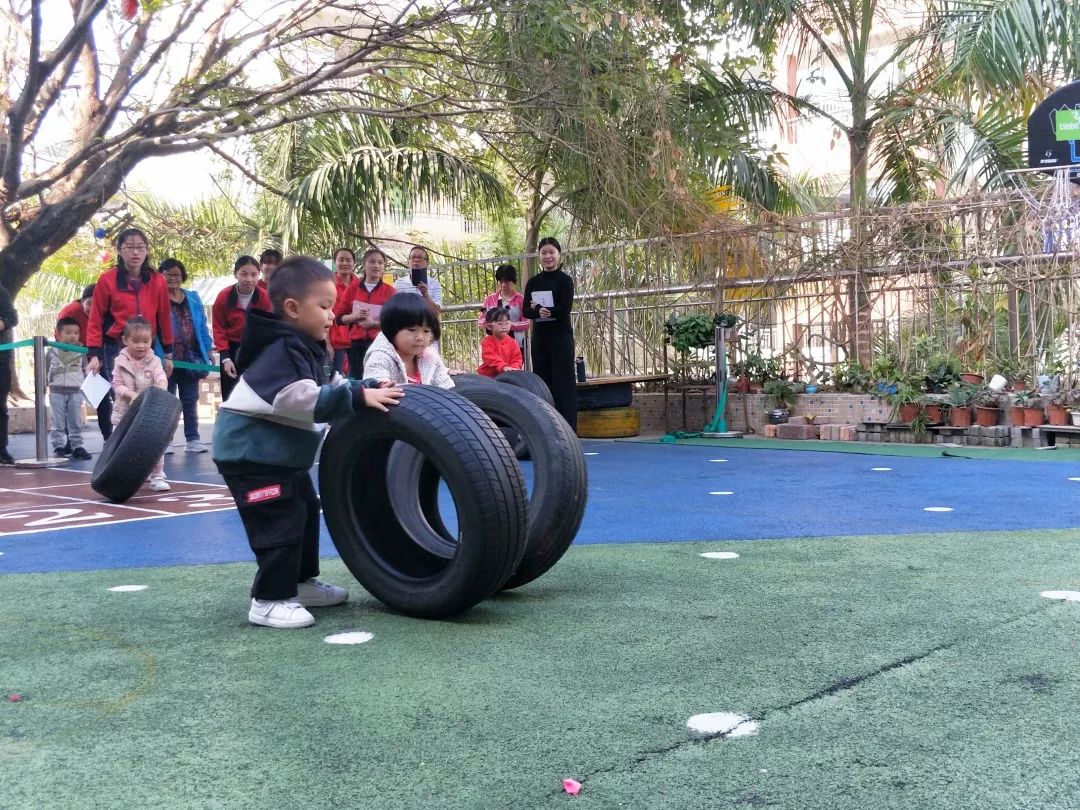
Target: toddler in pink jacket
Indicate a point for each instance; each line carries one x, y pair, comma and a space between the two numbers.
136, 369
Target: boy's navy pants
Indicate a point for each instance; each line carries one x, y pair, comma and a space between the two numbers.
280, 512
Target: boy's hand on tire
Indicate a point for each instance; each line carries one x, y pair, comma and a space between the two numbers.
379, 398
228, 368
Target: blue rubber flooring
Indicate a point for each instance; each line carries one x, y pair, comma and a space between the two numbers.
657, 493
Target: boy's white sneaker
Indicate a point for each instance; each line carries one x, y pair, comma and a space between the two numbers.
159, 484
320, 594
286, 614
195, 446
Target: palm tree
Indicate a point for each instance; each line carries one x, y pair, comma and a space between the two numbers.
950, 87
338, 176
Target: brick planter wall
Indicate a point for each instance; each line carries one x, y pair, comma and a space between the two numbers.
847, 409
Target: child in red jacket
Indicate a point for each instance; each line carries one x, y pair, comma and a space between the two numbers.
498, 351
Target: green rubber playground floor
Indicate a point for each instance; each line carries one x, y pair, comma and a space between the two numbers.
916, 671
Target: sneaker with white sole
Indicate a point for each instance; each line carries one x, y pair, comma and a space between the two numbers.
159, 484
286, 614
195, 446
314, 593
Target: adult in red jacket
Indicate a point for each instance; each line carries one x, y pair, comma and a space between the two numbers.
80, 311
340, 339
131, 288
360, 306
230, 314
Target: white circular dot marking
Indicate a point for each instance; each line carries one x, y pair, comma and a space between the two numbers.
720, 555
721, 724
881, 469
1074, 479
722, 493
1064, 596
356, 637
937, 509
590, 454
718, 460
127, 588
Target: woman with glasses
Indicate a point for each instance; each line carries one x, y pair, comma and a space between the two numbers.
130, 288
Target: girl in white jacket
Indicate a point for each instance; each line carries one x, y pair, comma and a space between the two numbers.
403, 352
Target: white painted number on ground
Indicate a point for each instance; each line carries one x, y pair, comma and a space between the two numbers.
56, 516
202, 501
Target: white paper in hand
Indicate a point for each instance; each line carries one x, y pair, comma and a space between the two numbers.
545, 299
95, 388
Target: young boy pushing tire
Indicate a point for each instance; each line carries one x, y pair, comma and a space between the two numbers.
268, 432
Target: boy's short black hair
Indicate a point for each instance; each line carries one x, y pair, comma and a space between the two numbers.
506, 272
169, 264
66, 321
294, 277
270, 254
404, 310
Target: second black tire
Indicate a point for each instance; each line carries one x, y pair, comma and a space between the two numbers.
560, 479
532, 383
471, 455
136, 444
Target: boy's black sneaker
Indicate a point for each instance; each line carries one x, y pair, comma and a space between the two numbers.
61, 452
6, 459
79, 454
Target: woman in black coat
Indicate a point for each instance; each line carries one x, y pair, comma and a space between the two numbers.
549, 298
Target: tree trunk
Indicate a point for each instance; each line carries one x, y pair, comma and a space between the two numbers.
861, 307
534, 219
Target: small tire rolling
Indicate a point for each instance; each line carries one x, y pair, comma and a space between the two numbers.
136, 444
560, 480
467, 451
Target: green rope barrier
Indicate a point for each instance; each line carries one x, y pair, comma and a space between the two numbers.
16, 345
83, 350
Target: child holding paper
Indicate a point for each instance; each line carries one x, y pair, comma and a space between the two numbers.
66, 371
359, 308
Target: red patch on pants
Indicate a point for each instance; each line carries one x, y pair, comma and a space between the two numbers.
269, 493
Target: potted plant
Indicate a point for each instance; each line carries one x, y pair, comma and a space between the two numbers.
689, 333
961, 398
1072, 399
1056, 412
884, 372
1031, 413
851, 375
935, 409
987, 412
905, 401
942, 370
781, 394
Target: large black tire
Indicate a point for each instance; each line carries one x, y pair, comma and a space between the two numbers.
597, 397
136, 444
560, 480
470, 377
529, 381
467, 451
517, 442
